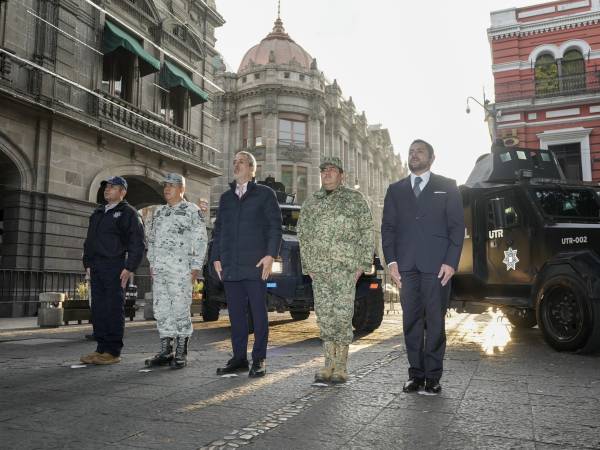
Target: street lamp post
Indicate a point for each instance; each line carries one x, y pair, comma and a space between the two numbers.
490, 115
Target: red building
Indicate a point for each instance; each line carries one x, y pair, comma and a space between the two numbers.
546, 64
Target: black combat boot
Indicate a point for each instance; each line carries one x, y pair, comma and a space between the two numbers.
165, 356
180, 360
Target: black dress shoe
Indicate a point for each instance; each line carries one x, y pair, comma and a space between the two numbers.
413, 385
258, 369
90, 337
233, 366
432, 387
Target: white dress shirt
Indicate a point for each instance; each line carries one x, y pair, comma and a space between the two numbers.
240, 189
424, 179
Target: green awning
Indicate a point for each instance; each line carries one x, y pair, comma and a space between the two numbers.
172, 76
114, 38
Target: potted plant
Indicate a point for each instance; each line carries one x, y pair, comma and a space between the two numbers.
77, 307
197, 290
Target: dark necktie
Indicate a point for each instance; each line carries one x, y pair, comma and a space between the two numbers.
417, 187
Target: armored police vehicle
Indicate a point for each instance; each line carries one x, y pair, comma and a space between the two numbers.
288, 289
532, 247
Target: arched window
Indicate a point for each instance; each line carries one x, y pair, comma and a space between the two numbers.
546, 75
573, 71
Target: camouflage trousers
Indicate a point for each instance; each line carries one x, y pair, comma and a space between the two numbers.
334, 305
172, 297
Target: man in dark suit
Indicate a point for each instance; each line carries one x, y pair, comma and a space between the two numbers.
246, 239
422, 235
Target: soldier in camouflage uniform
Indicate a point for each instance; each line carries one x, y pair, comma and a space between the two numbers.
176, 249
335, 231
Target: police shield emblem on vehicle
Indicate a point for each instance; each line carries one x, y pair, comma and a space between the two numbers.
510, 259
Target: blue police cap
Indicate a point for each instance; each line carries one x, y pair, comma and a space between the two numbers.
117, 181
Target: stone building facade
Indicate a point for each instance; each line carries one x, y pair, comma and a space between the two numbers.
87, 90
547, 85
283, 109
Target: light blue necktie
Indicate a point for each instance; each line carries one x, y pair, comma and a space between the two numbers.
417, 187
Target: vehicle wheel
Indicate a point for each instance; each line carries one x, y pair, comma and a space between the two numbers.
300, 315
528, 320
368, 312
564, 312
210, 311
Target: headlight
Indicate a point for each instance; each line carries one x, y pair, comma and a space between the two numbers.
277, 267
371, 271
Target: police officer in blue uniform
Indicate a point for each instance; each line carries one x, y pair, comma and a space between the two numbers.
113, 249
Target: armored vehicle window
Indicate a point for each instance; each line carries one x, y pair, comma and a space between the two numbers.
502, 213
579, 204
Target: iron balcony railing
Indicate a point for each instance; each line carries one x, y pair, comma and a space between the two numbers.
546, 86
103, 111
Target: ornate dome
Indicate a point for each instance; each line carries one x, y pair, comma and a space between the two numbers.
277, 48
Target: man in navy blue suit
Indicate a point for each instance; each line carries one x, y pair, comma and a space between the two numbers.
246, 239
422, 235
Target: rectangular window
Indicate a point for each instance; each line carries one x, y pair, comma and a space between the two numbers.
173, 106
287, 178
165, 109
292, 133
292, 129
244, 131
569, 158
322, 137
257, 129
346, 155
117, 74
301, 184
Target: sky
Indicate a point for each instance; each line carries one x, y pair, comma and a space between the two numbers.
409, 65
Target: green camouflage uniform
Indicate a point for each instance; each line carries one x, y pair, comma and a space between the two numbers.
335, 232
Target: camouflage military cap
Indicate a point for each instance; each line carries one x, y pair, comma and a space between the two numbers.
331, 161
174, 178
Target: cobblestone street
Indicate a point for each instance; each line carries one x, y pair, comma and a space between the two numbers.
502, 388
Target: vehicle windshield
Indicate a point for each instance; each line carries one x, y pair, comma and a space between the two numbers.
574, 204
290, 219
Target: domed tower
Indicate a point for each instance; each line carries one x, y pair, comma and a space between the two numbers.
274, 107
280, 107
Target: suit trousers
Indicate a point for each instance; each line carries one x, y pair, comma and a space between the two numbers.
108, 304
424, 303
243, 297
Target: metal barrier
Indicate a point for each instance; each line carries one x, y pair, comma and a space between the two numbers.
20, 289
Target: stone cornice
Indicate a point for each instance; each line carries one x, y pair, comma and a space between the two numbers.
544, 26
278, 89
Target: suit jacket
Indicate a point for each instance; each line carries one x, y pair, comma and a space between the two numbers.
246, 230
423, 233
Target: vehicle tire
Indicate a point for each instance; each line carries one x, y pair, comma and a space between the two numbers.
210, 311
529, 320
368, 312
299, 315
565, 314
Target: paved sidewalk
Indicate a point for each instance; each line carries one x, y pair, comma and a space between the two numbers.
503, 388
